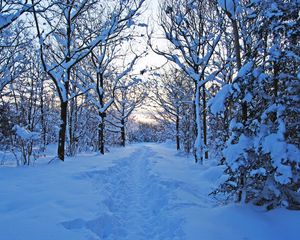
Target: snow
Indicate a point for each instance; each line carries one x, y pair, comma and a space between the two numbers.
229, 6
248, 98
145, 191
260, 171
179, 19
280, 151
245, 69
217, 104
25, 134
234, 151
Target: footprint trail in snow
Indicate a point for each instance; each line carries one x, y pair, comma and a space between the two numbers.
138, 202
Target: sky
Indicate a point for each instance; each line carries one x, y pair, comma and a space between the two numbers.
152, 60
150, 16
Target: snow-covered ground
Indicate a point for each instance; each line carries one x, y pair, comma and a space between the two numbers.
145, 191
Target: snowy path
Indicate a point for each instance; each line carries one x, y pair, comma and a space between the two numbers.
136, 200
143, 192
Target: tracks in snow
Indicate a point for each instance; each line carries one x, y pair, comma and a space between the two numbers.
138, 202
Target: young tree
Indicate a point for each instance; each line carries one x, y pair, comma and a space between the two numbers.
128, 96
173, 93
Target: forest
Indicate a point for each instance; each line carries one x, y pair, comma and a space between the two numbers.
225, 96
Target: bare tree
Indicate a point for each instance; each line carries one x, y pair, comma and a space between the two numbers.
194, 29
66, 40
172, 92
128, 96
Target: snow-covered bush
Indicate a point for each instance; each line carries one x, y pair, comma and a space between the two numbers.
25, 142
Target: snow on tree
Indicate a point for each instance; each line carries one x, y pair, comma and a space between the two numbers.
25, 140
128, 96
172, 95
11, 10
14, 42
193, 28
68, 71
65, 40
262, 152
106, 68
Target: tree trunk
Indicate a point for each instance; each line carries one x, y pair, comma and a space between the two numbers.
244, 103
101, 126
275, 84
71, 129
237, 47
62, 130
64, 97
123, 136
72, 126
43, 122
101, 133
241, 183
177, 132
204, 120
198, 142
